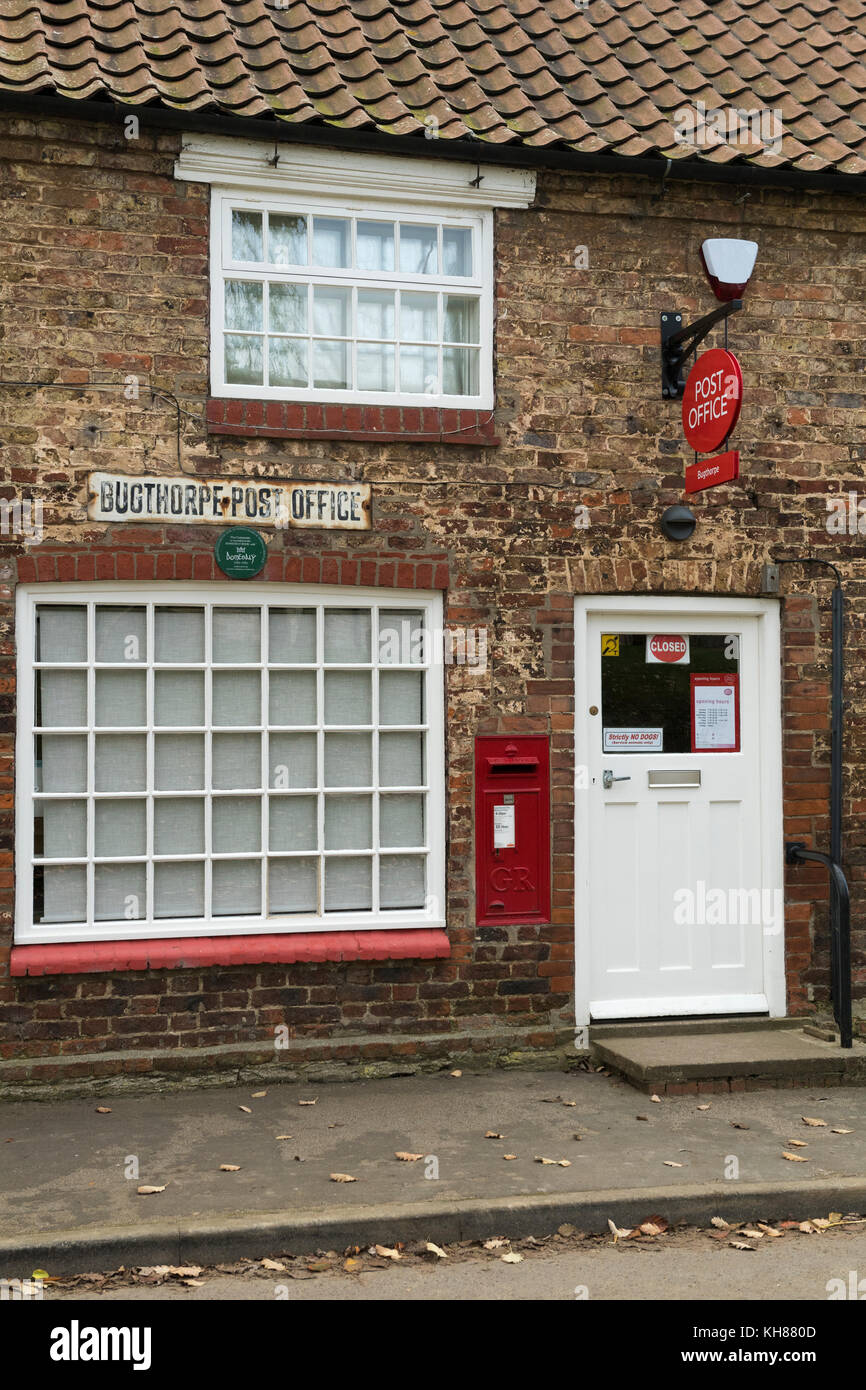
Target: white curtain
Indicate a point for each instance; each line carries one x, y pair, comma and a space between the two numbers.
178, 890
292, 697
65, 893
121, 828
237, 697
348, 697
292, 885
64, 829
293, 823
179, 762
236, 824
348, 760
347, 635
292, 760
237, 887
61, 633
62, 699
178, 698
178, 825
179, 634
348, 885
401, 881
401, 760
120, 892
121, 699
121, 634
236, 635
348, 822
292, 636
400, 697
401, 821
121, 762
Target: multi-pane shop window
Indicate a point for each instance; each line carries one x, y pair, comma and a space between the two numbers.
203, 765
311, 305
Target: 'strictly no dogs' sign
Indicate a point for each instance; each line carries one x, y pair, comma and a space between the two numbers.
217, 501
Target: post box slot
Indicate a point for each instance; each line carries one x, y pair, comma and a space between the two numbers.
513, 765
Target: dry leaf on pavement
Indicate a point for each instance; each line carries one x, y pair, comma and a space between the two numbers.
496, 1243
740, 1245
796, 1158
285, 1136
455, 1073
720, 1223
509, 1156
737, 1124
308, 1102
146, 1191
103, 1109
493, 1134
669, 1163
617, 1231
271, 1264
436, 1250
511, 1258
342, 1177
657, 1099
816, 1124
257, 1095
408, 1158
703, 1107
798, 1143
246, 1109
841, 1131
230, 1168
386, 1253
768, 1230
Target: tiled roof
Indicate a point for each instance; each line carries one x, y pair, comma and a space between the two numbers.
592, 78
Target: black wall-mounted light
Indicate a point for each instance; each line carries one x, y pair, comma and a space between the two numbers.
678, 523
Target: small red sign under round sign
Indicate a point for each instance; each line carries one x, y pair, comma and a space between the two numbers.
712, 399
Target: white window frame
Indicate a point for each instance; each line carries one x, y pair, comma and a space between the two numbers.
479, 284
216, 595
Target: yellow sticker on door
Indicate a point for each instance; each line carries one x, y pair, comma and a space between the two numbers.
609, 644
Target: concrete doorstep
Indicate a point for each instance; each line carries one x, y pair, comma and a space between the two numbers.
69, 1176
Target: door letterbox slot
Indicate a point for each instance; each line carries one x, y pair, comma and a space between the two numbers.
675, 777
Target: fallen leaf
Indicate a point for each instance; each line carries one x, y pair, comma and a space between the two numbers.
821, 1222
564, 1162
146, 1191
408, 1158
816, 1124
455, 1073
284, 1136
271, 1264
669, 1163
570, 1103
550, 1161
230, 1168
194, 1283
308, 1102
649, 1228
641, 1117
103, 1110
185, 1271
751, 1234
566, 1230
798, 1143
720, 1223
740, 1245
511, 1258
509, 1156
351, 1264
153, 1271
841, 1131
246, 1109
257, 1095
492, 1134
807, 1228
703, 1107
436, 1250
737, 1124
657, 1099
795, 1158
617, 1231
386, 1254
768, 1230
496, 1243
835, 1218
342, 1177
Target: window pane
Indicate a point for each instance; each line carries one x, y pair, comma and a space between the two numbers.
460, 371
237, 823
292, 761
401, 760
418, 249
244, 357
348, 822
401, 637
292, 697
244, 305
287, 238
236, 635
374, 245
348, 760
419, 370
61, 830
348, 697
237, 697
292, 636
178, 890
375, 367
121, 634
293, 885
348, 885
61, 633
120, 762
419, 317
246, 235
401, 880
63, 893
330, 365
287, 362
121, 698
178, 825
61, 764
237, 761
293, 822
462, 319
375, 315
121, 828
331, 307
237, 887
287, 308
457, 250
119, 892
401, 821
179, 634
400, 697
61, 699
178, 697
178, 762
347, 635
331, 241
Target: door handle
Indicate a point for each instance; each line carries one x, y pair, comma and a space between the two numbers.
608, 779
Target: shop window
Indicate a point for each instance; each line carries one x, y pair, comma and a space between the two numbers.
194, 763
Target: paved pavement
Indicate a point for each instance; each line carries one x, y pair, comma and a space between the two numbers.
69, 1175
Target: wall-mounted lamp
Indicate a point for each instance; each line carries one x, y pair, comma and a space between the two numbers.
678, 523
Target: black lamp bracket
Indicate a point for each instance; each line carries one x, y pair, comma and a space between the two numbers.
678, 342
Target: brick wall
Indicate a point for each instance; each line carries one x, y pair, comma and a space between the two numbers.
107, 277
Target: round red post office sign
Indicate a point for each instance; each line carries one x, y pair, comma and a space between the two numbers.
712, 399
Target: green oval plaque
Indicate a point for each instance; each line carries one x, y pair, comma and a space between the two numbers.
240, 552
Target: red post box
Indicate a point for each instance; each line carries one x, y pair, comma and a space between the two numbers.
512, 829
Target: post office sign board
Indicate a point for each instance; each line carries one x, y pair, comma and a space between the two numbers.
224, 501
712, 399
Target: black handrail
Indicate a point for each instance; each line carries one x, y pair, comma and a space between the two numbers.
840, 934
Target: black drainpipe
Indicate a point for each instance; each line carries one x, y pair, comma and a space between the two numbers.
796, 852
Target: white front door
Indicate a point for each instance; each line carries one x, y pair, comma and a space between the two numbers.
678, 808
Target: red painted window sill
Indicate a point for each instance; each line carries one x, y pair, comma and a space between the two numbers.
183, 953
376, 423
